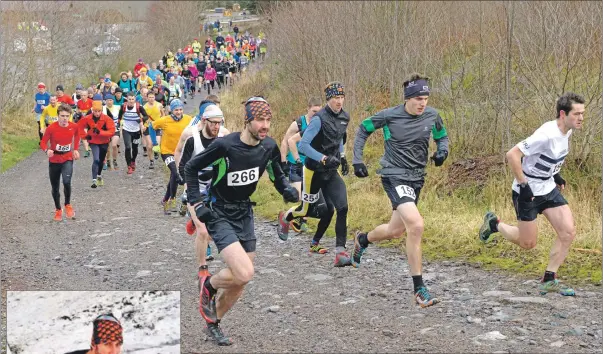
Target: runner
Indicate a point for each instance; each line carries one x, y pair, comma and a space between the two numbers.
155, 111
407, 130
133, 116
107, 336
83, 106
172, 127
63, 98
50, 114
174, 90
229, 215
60, 143
536, 164
112, 110
42, 99
293, 161
77, 94
202, 134
98, 128
125, 83
210, 78
196, 46
322, 143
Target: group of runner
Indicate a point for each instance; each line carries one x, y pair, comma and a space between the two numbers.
220, 171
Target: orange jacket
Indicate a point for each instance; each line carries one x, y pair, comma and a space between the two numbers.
104, 124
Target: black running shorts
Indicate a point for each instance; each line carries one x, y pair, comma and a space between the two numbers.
528, 211
399, 191
234, 224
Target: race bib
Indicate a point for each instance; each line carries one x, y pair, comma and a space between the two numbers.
169, 160
406, 191
310, 198
52, 119
136, 141
63, 148
242, 178
220, 73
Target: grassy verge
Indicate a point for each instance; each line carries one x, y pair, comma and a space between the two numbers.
19, 139
452, 214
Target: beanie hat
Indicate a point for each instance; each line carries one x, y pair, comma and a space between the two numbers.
334, 89
175, 104
212, 111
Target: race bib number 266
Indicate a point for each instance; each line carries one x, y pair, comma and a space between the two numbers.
406, 191
244, 177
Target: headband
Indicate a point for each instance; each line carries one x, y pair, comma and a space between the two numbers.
106, 329
256, 107
334, 89
416, 88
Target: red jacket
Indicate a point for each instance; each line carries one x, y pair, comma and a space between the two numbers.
137, 68
66, 99
62, 140
105, 125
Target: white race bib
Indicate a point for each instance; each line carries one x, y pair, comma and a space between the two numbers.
557, 167
63, 148
169, 160
136, 141
406, 191
242, 178
310, 198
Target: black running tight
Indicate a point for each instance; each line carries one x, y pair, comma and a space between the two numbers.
55, 171
172, 186
131, 141
99, 152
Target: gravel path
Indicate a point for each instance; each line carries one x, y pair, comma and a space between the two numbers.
297, 302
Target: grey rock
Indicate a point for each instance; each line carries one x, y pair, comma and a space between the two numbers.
491, 336
318, 277
425, 330
528, 300
143, 273
496, 293
274, 309
57, 258
388, 333
558, 344
575, 332
532, 342
474, 320
521, 331
498, 316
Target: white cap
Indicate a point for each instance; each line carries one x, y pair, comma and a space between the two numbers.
212, 111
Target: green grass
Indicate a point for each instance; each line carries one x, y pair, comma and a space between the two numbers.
16, 148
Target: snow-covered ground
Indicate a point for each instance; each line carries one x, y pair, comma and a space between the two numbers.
56, 322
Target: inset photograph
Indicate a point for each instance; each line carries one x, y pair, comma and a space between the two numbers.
93, 322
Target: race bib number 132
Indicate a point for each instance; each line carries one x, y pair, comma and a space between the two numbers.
242, 178
406, 191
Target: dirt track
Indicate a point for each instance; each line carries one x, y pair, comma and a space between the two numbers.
297, 302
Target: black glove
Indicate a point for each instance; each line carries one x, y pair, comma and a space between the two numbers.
180, 180
291, 195
345, 168
360, 170
332, 162
205, 214
525, 193
439, 157
285, 168
96, 131
88, 137
559, 180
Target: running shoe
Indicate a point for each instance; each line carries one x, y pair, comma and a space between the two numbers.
296, 225
214, 331
130, 170
173, 207
317, 248
207, 302
358, 251
115, 165
190, 227
69, 211
208, 255
105, 166
283, 227
155, 155
342, 259
488, 227
553, 286
166, 207
151, 164
58, 215
101, 181
87, 153
94, 183
304, 226
424, 299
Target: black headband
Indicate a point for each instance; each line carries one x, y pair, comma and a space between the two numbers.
416, 88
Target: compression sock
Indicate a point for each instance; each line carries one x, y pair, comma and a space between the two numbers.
548, 276
363, 240
417, 281
494, 225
